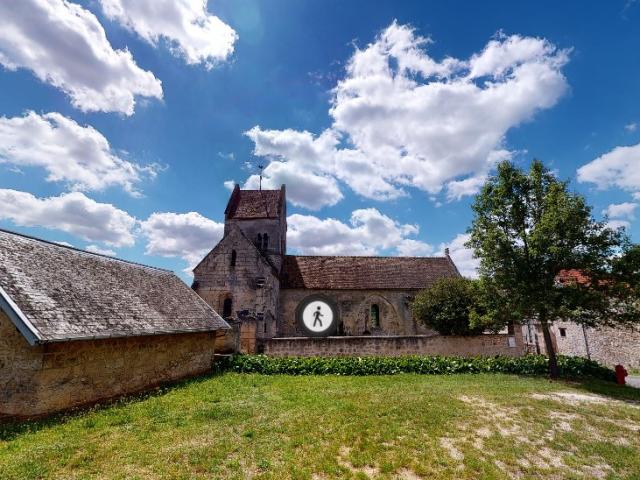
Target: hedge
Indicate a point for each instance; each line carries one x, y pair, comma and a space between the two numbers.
570, 367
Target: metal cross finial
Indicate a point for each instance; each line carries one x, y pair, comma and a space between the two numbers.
261, 167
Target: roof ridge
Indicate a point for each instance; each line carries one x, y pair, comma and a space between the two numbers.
433, 257
80, 250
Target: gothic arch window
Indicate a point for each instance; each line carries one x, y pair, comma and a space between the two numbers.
265, 241
234, 256
227, 307
259, 241
375, 316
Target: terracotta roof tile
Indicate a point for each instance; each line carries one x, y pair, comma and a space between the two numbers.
67, 293
364, 273
255, 204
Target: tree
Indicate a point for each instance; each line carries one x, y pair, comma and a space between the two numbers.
544, 255
447, 306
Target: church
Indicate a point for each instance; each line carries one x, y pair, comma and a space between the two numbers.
266, 294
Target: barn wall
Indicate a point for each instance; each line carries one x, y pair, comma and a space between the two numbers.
354, 311
48, 378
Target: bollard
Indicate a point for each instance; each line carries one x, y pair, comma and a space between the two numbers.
621, 373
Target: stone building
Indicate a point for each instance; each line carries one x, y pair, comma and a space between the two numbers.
268, 295
607, 345
77, 327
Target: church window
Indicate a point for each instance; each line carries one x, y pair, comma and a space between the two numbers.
234, 255
227, 307
563, 332
375, 316
265, 241
259, 241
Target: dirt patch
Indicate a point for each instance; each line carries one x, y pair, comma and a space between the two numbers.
574, 398
513, 424
368, 470
453, 452
406, 474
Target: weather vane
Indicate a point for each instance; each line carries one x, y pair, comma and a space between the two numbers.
261, 167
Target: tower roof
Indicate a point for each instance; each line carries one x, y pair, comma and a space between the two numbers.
248, 204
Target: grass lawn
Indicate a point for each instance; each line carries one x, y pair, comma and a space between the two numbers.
404, 426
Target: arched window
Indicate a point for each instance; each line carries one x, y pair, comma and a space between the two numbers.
227, 307
375, 316
265, 241
259, 242
234, 255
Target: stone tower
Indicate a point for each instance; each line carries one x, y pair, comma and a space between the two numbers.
262, 216
239, 278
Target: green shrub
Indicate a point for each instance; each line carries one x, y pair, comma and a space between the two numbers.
570, 367
447, 306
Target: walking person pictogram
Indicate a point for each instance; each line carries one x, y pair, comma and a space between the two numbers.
316, 315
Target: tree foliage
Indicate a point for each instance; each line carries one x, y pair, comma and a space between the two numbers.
529, 232
449, 305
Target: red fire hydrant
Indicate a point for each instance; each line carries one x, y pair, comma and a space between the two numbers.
621, 373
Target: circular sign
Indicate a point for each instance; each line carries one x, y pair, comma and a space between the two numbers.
317, 316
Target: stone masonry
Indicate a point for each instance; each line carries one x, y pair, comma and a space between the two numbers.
395, 346
354, 307
37, 380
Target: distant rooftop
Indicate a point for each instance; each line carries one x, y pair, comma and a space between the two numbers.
57, 293
247, 204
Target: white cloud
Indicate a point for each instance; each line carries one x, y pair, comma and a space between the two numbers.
64, 45
367, 233
615, 169
72, 213
102, 251
409, 247
462, 256
78, 155
621, 210
308, 183
631, 127
402, 118
229, 184
189, 236
616, 224
185, 25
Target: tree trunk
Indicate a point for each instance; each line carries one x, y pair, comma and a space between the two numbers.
554, 371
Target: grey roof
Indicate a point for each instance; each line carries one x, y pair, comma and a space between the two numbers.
57, 293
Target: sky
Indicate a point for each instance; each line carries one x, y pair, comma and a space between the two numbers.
124, 124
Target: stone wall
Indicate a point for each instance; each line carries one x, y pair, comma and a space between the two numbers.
275, 228
609, 346
37, 380
251, 283
354, 307
486, 345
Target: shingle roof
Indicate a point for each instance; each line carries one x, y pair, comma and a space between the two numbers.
364, 273
62, 293
254, 203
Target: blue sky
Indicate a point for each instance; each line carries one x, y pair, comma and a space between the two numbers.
382, 118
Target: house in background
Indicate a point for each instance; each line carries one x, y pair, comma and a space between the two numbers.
607, 345
78, 327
